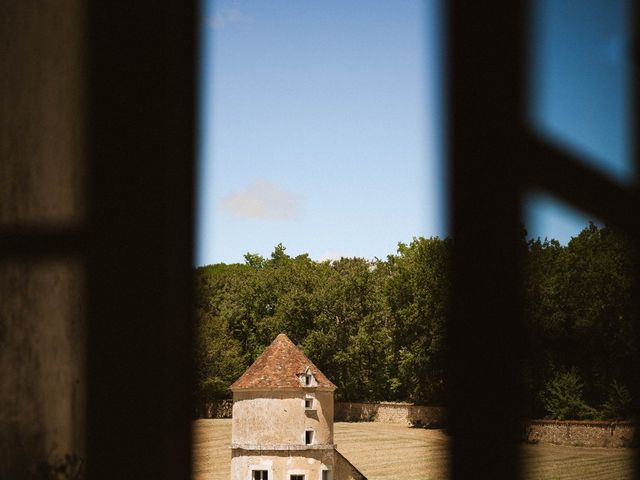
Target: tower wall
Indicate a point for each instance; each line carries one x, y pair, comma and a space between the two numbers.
282, 464
279, 417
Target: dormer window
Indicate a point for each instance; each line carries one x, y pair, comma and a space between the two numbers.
306, 378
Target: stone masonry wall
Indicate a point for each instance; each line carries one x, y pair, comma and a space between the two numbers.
560, 432
387, 412
216, 409
581, 433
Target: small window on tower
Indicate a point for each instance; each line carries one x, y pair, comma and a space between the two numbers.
296, 477
307, 379
308, 437
260, 475
308, 403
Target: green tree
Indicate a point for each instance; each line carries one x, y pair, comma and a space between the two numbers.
563, 398
349, 340
418, 293
619, 403
219, 359
377, 328
579, 313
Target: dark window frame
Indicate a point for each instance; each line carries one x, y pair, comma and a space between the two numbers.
494, 160
137, 240
260, 474
308, 437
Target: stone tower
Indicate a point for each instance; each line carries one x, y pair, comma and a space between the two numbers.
282, 426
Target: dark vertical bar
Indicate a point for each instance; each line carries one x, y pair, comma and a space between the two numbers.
485, 75
635, 225
141, 149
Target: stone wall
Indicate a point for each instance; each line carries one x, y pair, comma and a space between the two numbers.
581, 433
560, 432
216, 409
388, 412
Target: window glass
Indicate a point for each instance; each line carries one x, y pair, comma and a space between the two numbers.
580, 72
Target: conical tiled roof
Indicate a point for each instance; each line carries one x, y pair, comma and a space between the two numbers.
280, 366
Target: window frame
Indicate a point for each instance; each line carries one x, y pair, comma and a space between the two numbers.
307, 378
493, 158
309, 434
137, 74
262, 472
312, 406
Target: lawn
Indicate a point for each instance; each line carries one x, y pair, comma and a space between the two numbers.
388, 452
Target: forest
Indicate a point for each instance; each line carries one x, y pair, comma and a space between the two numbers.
377, 328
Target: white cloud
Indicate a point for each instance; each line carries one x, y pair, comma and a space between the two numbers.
227, 16
264, 201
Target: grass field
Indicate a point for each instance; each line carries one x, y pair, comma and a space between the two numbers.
388, 452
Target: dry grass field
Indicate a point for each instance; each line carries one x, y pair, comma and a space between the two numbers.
389, 452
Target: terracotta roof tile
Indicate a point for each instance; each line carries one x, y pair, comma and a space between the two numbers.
279, 366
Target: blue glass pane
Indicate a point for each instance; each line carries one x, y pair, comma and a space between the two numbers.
580, 80
547, 217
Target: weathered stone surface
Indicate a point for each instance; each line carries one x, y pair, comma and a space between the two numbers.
215, 409
279, 417
581, 433
389, 412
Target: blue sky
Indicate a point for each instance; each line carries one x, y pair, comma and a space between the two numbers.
320, 123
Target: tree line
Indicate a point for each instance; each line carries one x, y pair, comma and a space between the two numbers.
376, 328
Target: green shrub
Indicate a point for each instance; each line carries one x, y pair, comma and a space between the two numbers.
619, 403
562, 398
